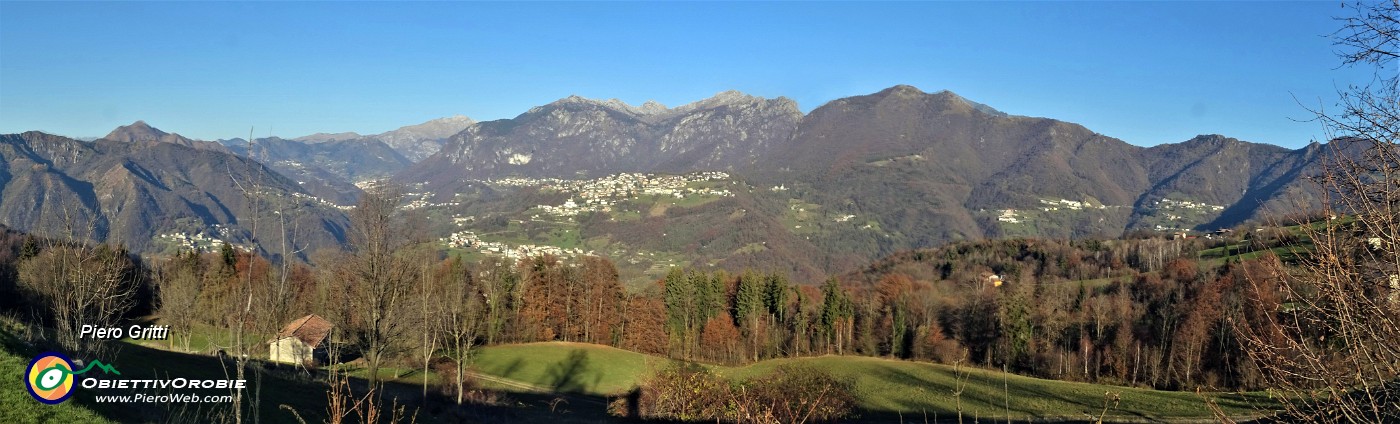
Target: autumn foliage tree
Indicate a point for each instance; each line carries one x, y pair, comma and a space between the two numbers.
644, 325
721, 339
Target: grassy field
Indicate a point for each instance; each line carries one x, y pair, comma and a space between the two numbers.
886, 385
16, 406
882, 386
568, 367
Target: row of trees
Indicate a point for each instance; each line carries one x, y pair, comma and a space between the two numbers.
1166, 329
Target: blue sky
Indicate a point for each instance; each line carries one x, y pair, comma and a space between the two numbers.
1147, 73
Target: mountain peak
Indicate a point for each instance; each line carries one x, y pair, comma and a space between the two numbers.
906, 91
575, 99
653, 107
731, 96
723, 98
650, 107
1210, 139
137, 131
432, 129
909, 89
417, 142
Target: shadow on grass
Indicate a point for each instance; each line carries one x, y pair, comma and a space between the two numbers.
305, 392
985, 396
568, 376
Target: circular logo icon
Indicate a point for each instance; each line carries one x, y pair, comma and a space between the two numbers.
50, 378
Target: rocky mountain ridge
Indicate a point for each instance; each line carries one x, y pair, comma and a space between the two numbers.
413, 142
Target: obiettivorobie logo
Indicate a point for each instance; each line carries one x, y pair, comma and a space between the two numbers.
50, 380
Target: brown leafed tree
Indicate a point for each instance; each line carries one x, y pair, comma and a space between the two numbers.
719, 339
644, 325
543, 301
602, 302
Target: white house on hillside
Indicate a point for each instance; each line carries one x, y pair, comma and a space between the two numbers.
302, 342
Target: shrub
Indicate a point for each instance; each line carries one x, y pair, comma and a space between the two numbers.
689, 392
680, 391
794, 395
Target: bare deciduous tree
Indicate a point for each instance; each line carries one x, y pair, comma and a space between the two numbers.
81, 285
463, 312
381, 277
1331, 349
180, 281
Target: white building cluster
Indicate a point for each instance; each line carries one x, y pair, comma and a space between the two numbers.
195, 242
1009, 215
1186, 204
421, 200
1054, 205
469, 240
304, 196
462, 239
571, 208
600, 194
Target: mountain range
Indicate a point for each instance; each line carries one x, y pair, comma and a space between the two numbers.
892, 170
414, 142
930, 163
578, 137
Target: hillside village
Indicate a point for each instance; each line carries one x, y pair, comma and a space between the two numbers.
1013, 216
200, 241
1184, 207
601, 194
594, 195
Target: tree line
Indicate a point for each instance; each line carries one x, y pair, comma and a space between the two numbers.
1143, 312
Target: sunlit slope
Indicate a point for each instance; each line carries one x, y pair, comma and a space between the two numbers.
916, 387
880, 385
568, 367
